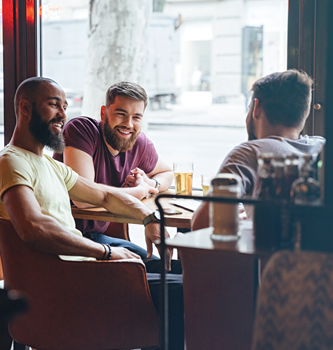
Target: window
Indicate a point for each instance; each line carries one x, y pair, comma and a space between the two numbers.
201, 60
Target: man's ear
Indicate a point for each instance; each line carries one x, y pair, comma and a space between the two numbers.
103, 110
256, 109
25, 108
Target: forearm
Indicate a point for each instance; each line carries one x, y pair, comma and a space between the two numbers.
48, 235
164, 178
137, 192
200, 218
124, 204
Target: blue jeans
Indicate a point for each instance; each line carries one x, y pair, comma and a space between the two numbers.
117, 242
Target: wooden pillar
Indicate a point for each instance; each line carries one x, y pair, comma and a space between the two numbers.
19, 52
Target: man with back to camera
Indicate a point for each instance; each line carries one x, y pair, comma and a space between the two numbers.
31, 179
278, 110
114, 152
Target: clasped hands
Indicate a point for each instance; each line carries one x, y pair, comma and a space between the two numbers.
139, 178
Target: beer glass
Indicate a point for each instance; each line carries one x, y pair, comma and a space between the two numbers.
205, 182
224, 217
183, 172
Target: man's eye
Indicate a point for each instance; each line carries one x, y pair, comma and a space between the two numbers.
121, 114
137, 117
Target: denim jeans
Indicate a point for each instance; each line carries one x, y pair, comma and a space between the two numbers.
118, 242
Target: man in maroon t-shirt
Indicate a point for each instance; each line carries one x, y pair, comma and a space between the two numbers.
115, 152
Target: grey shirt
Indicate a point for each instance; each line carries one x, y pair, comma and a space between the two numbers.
243, 159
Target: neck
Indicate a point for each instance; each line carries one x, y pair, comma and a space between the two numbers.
26, 141
266, 129
287, 133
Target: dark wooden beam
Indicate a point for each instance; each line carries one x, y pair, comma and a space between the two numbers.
19, 52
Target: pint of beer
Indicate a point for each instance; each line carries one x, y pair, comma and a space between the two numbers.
183, 172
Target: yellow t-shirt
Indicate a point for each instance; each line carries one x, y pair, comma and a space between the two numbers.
49, 179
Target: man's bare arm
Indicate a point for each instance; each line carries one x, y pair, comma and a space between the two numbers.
200, 218
42, 231
82, 163
47, 234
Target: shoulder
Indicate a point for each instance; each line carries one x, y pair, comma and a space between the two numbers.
17, 166
82, 124
142, 139
246, 150
83, 133
15, 157
142, 143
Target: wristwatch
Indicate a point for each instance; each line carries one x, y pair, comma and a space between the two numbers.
158, 185
155, 216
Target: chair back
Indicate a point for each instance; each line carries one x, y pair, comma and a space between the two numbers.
295, 302
77, 305
1, 271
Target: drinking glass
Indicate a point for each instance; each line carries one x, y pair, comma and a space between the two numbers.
205, 182
183, 172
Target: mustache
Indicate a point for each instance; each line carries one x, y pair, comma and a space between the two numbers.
124, 128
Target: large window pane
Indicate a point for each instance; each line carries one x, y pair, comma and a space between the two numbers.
202, 57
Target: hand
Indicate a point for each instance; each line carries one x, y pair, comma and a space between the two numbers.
146, 179
119, 253
137, 180
153, 234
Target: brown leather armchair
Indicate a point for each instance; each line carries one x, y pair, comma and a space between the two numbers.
1, 272
77, 305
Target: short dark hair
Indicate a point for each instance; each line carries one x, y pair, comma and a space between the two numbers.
127, 89
28, 90
285, 97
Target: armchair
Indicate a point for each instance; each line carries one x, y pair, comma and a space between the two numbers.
77, 305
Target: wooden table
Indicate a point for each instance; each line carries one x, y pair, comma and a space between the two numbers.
180, 221
220, 281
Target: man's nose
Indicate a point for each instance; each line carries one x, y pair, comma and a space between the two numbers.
62, 113
128, 122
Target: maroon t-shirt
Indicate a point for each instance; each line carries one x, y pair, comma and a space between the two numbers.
85, 134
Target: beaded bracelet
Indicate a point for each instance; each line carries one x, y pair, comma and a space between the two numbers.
107, 252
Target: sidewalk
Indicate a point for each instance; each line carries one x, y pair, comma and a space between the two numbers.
215, 115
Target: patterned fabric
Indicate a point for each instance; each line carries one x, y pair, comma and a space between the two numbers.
295, 303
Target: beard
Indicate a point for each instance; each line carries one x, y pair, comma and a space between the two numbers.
40, 130
117, 142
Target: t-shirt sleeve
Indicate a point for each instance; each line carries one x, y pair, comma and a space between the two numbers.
68, 174
15, 171
82, 133
149, 156
242, 161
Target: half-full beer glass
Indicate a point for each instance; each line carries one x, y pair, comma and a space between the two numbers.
183, 172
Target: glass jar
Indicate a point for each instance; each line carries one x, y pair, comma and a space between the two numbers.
224, 217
